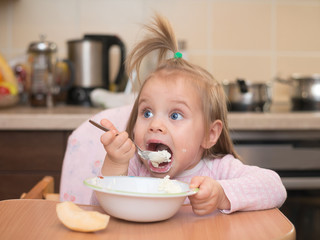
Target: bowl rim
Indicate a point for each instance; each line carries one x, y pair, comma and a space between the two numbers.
138, 194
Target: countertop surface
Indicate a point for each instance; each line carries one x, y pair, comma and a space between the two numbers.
70, 117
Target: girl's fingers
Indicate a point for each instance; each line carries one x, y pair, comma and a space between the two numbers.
196, 181
200, 210
128, 146
106, 123
108, 137
121, 138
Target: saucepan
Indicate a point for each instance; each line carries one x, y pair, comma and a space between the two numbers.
305, 91
244, 95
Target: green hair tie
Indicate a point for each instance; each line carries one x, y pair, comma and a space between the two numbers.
178, 55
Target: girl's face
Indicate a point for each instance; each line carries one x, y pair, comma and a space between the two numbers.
170, 117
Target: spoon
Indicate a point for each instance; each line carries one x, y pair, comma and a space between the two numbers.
144, 154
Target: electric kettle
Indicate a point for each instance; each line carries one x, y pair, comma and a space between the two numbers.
91, 59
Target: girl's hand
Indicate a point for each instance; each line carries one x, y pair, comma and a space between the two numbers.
209, 197
119, 148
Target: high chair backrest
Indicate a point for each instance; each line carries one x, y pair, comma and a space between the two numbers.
85, 154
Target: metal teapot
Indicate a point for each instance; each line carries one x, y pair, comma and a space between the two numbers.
45, 71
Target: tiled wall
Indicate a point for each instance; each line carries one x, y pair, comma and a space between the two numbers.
252, 39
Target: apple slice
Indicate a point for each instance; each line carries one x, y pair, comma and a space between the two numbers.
77, 219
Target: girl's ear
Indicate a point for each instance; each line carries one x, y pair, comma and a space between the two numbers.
214, 134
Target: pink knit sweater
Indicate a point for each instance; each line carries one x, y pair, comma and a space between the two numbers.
247, 187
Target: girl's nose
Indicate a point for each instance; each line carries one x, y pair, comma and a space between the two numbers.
157, 126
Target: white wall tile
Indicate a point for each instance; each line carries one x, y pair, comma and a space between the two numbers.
253, 39
4, 27
31, 18
189, 19
298, 27
122, 18
251, 68
298, 64
241, 25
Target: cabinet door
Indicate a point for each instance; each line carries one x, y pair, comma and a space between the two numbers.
12, 185
27, 156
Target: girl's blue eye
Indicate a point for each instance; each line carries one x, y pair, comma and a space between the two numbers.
147, 114
176, 116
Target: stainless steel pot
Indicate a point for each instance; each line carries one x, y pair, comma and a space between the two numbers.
305, 93
246, 96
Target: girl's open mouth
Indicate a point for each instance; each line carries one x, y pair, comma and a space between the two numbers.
162, 168
163, 160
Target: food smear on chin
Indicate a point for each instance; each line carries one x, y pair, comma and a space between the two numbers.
169, 186
159, 157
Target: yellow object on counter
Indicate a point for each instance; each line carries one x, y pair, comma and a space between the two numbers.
7, 73
8, 85
11, 87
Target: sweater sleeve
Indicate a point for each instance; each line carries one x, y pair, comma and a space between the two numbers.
249, 187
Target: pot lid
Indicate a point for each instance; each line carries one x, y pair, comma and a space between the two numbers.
242, 81
42, 46
305, 76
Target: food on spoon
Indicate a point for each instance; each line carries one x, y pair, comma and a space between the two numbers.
77, 219
159, 157
169, 186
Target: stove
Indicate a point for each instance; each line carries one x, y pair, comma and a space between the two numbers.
297, 105
295, 156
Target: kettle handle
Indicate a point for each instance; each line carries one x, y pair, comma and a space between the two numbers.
108, 41
120, 75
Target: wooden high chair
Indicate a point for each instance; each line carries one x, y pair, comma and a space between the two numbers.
79, 164
44, 189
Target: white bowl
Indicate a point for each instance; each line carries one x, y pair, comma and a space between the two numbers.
138, 198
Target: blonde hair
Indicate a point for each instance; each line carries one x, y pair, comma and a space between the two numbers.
161, 38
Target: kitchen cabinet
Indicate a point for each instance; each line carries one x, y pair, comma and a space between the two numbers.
33, 140
32, 144
28, 156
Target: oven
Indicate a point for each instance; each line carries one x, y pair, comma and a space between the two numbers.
295, 156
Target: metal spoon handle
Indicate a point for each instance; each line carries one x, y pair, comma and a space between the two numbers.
99, 126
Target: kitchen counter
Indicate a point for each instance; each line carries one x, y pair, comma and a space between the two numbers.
70, 117
275, 121
33, 140
56, 118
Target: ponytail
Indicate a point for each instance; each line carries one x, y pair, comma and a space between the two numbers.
161, 38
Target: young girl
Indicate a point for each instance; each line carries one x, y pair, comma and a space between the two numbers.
181, 108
